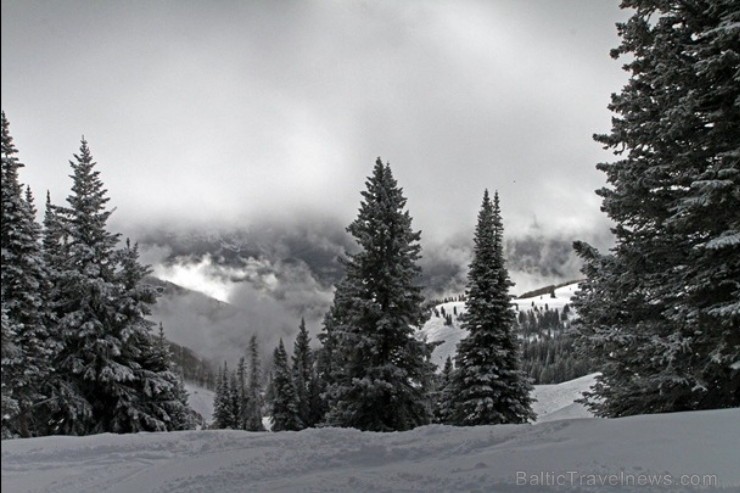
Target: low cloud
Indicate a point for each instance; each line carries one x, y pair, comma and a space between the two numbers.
271, 276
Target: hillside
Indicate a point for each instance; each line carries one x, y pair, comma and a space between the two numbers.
516, 458
436, 330
201, 401
556, 402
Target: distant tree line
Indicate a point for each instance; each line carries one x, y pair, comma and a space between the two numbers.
554, 359
549, 290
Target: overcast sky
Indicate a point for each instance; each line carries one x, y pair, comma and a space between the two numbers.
220, 111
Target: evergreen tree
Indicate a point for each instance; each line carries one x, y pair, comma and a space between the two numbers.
55, 239
85, 284
174, 397
153, 399
25, 359
241, 393
253, 421
9, 353
325, 357
316, 404
443, 401
661, 310
285, 405
235, 398
378, 367
95, 315
55, 247
488, 385
303, 373
222, 417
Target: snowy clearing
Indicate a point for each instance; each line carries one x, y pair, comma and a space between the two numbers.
669, 447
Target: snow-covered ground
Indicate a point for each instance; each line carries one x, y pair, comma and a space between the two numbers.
698, 447
436, 330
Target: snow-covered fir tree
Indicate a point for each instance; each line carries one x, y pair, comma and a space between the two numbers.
55, 239
26, 348
285, 405
379, 367
172, 397
153, 399
661, 311
111, 376
8, 352
253, 413
488, 386
85, 287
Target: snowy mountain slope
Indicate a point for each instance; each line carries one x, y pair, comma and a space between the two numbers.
436, 330
515, 458
555, 402
200, 400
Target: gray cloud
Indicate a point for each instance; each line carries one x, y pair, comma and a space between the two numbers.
272, 275
268, 300
228, 112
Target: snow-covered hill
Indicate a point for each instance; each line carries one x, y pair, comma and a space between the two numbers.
436, 330
201, 401
555, 402
581, 455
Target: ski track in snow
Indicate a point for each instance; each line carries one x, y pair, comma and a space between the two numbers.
432, 458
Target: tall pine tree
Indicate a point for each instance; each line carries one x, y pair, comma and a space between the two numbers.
488, 386
662, 310
379, 368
